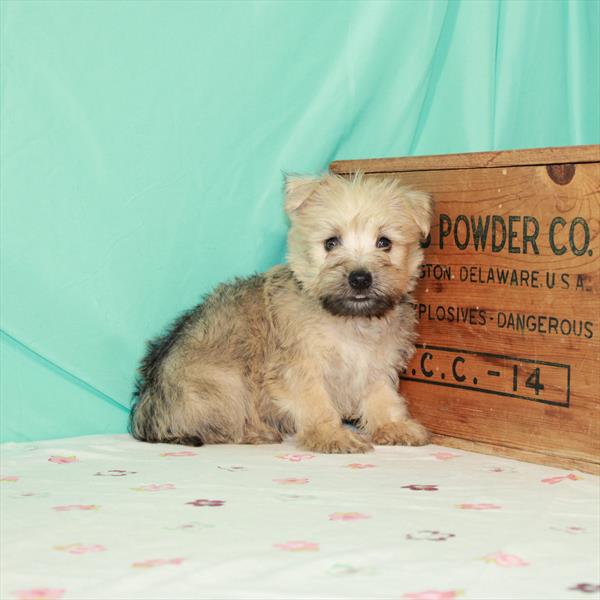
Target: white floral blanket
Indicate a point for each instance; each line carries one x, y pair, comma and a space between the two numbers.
106, 517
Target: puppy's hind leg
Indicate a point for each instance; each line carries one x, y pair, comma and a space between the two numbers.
256, 429
216, 403
205, 406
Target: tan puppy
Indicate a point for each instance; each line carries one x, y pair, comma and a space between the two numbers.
305, 345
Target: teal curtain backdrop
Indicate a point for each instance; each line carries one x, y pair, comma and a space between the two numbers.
143, 145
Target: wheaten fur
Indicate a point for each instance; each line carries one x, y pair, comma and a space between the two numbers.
297, 349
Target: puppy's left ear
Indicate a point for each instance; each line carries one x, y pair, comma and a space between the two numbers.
298, 189
421, 208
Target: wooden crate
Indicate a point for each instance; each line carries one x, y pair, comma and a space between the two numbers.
508, 359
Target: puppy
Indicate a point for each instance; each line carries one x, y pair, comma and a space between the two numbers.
306, 345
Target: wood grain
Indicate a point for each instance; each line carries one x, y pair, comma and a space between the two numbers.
471, 160
517, 454
513, 363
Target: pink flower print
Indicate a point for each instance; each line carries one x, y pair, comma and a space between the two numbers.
157, 562
481, 506
10, 478
360, 466
63, 460
179, 453
587, 588
292, 481
68, 507
505, 560
445, 455
574, 530
348, 516
40, 594
558, 479
296, 457
204, 502
154, 487
421, 488
434, 595
298, 546
80, 548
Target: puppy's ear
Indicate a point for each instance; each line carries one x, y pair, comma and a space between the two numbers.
421, 208
298, 189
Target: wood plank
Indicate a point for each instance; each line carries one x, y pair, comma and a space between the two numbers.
472, 160
517, 454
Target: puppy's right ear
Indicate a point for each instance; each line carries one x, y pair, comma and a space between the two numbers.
298, 189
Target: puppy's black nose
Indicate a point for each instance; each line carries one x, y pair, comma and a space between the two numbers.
360, 280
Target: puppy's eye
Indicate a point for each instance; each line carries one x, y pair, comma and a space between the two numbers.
331, 243
384, 243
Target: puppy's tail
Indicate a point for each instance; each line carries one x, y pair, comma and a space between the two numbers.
150, 421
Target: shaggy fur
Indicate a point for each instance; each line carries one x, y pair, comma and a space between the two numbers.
299, 349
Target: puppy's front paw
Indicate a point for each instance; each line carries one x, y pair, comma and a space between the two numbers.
401, 433
333, 441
